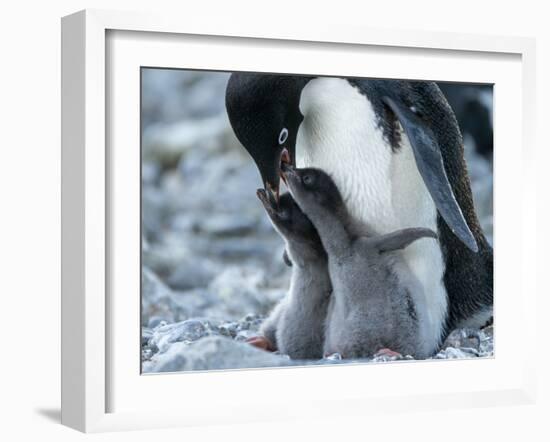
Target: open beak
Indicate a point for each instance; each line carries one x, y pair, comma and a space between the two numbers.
268, 200
284, 160
273, 191
288, 174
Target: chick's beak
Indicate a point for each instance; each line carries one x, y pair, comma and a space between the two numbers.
273, 190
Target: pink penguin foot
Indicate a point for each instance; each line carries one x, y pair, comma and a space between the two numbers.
386, 352
261, 342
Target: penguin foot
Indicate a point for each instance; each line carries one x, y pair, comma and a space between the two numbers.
261, 342
387, 353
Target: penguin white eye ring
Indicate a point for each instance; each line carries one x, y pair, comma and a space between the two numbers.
283, 136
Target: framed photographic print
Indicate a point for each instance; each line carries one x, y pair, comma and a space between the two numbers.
270, 209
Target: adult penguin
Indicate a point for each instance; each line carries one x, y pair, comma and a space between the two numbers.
395, 151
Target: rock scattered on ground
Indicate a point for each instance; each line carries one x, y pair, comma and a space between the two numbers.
215, 344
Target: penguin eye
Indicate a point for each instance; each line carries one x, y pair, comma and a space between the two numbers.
308, 180
283, 135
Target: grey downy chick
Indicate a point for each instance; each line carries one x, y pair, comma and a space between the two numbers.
376, 303
296, 325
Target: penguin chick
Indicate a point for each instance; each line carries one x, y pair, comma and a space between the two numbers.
376, 303
296, 325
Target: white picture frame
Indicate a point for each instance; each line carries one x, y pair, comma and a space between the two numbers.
88, 233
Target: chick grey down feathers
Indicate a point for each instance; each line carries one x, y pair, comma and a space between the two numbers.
375, 303
296, 325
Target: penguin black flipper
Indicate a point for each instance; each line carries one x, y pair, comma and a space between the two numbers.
429, 162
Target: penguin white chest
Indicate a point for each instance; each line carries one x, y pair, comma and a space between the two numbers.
381, 188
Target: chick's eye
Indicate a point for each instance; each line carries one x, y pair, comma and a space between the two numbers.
283, 135
307, 180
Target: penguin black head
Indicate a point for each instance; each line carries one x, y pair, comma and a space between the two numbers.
265, 115
313, 188
289, 219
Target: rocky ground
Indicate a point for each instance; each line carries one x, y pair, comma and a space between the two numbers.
212, 264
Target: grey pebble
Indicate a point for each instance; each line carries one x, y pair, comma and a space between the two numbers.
212, 353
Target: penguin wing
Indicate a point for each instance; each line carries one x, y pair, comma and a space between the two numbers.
429, 162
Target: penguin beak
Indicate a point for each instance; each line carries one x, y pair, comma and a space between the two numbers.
264, 197
288, 174
284, 161
273, 190
272, 185
268, 201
